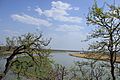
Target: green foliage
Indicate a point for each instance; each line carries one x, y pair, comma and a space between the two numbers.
27, 67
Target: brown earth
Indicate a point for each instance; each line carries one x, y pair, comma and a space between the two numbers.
95, 56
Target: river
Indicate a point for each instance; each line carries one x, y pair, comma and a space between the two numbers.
65, 59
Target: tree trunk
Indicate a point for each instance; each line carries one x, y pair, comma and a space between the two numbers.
112, 70
1, 77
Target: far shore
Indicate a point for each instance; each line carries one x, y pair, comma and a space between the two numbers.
95, 56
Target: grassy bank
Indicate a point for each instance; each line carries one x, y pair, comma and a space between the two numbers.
5, 53
95, 56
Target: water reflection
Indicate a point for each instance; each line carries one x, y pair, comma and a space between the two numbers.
2, 63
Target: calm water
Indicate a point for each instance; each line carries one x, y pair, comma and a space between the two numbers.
65, 59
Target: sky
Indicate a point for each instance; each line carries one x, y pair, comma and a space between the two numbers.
62, 20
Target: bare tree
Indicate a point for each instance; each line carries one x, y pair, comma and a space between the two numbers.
107, 20
60, 72
90, 70
10, 43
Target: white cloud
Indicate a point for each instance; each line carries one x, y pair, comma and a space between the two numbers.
59, 11
70, 28
68, 19
60, 5
30, 20
39, 10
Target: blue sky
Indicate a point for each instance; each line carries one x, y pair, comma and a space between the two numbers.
62, 20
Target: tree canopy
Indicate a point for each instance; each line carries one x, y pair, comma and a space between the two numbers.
107, 22
29, 54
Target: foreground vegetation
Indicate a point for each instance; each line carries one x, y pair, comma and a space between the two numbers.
25, 66
27, 45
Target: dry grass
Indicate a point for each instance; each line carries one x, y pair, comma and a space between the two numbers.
96, 56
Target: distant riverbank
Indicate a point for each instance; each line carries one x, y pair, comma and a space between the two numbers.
95, 56
4, 50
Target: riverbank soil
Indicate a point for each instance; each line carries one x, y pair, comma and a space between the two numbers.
95, 56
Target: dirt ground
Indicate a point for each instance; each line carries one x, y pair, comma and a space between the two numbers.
96, 56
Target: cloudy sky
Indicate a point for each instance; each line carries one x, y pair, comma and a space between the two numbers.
62, 20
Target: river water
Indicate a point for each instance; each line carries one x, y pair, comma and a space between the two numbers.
65, 59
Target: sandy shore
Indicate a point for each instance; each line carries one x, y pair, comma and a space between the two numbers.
95, 56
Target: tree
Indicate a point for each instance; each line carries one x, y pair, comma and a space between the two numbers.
107, 20
30, 54
60, 72
10, 43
